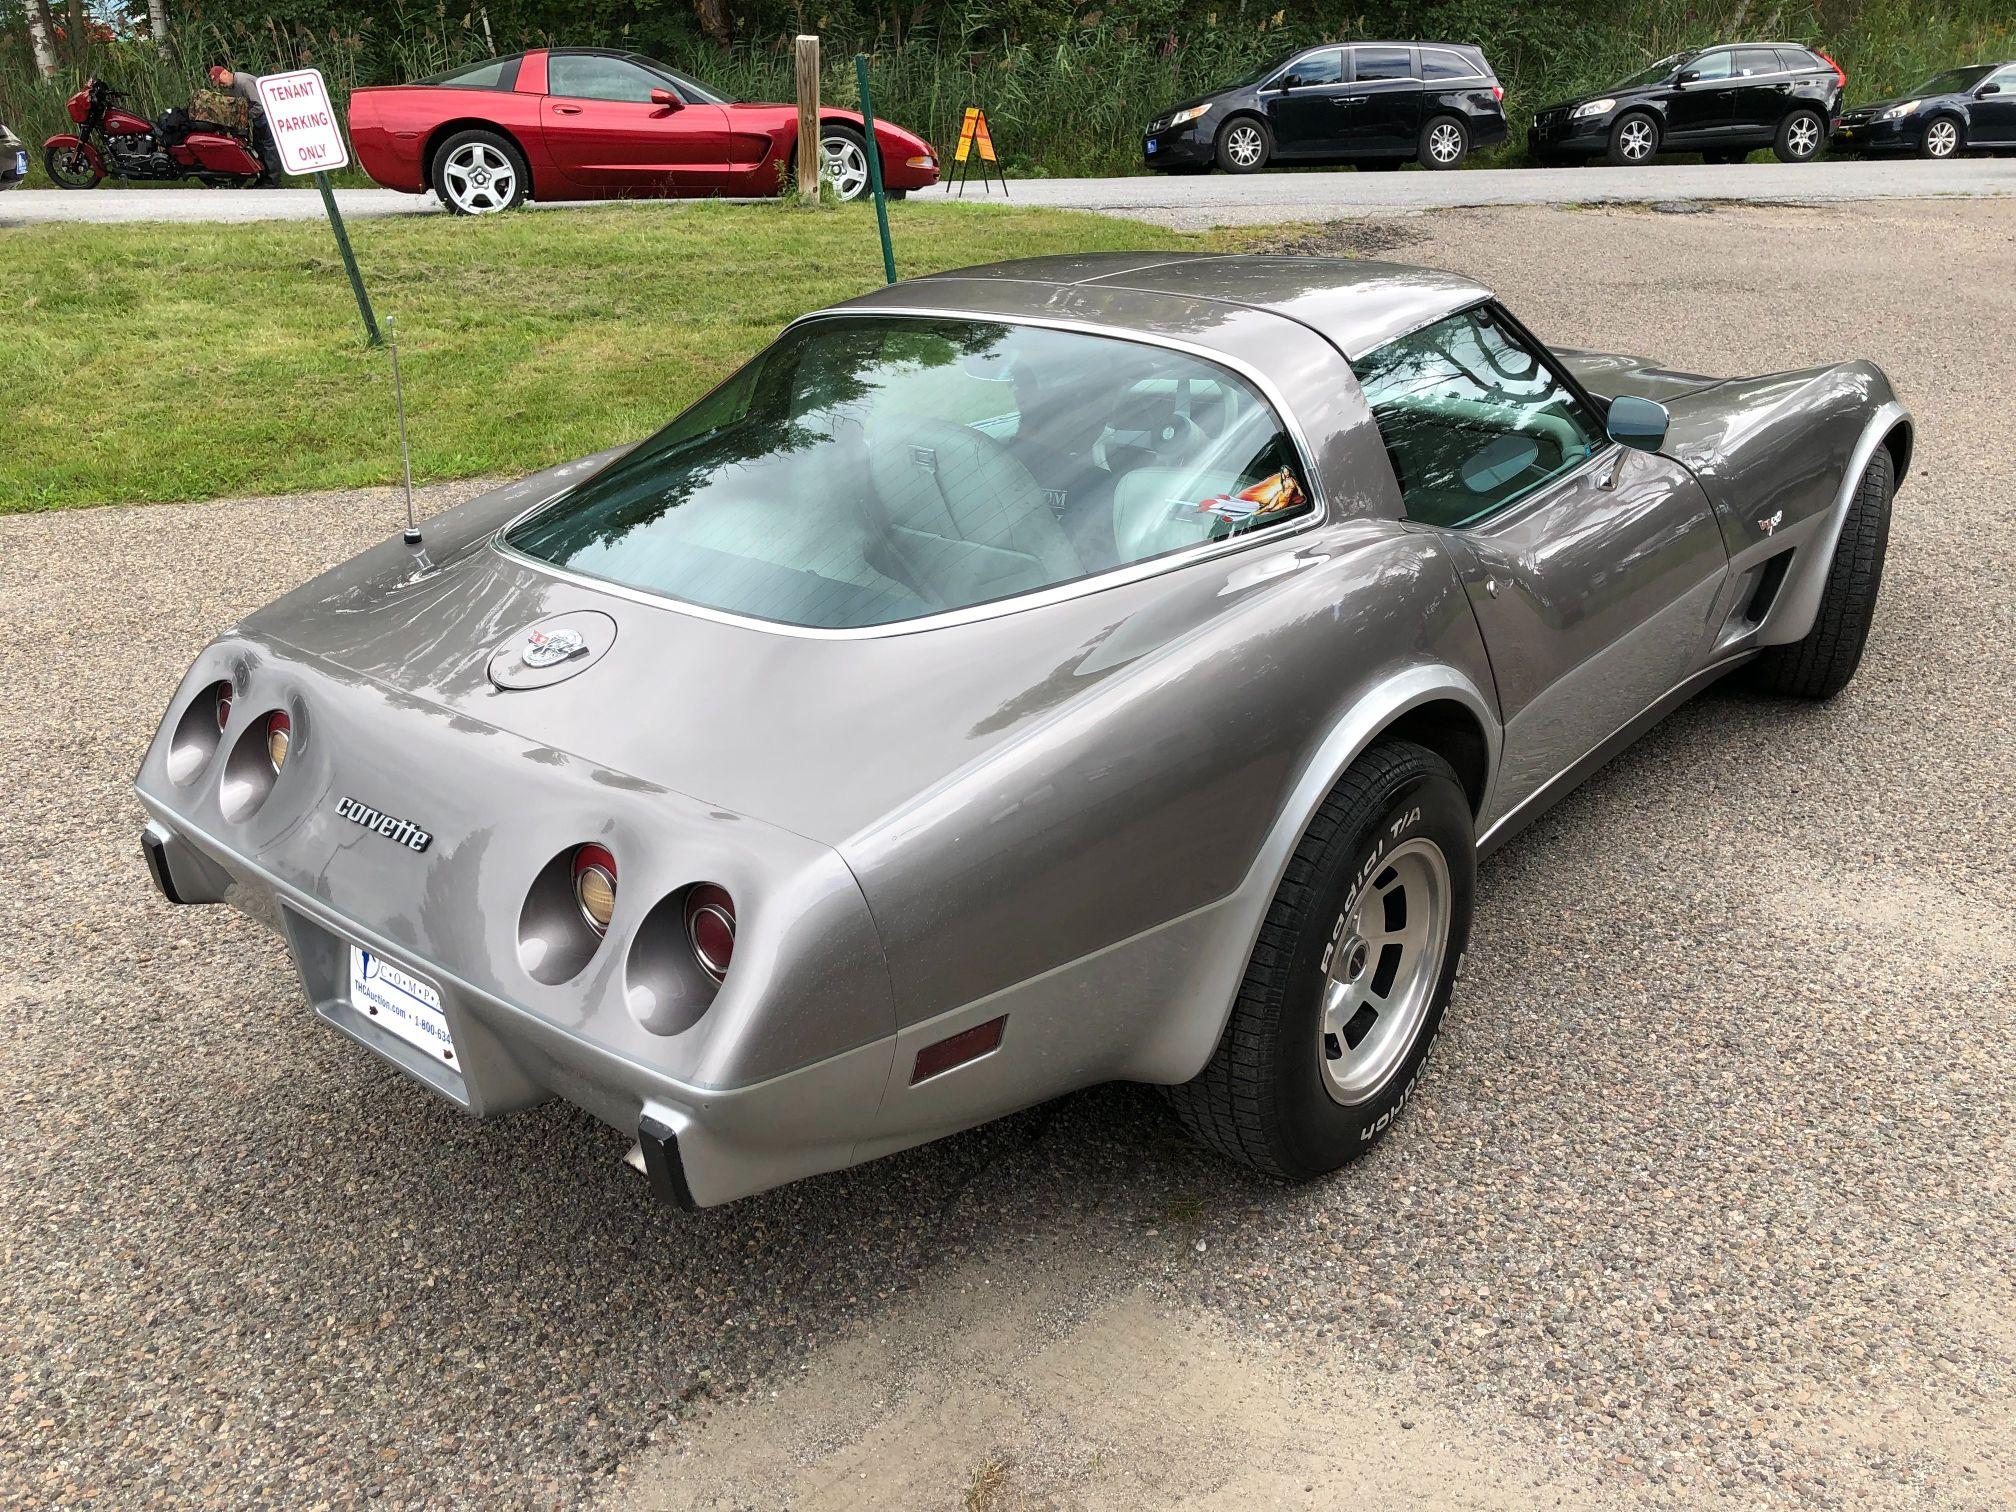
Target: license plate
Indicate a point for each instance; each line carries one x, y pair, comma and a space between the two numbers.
401, 1002
1151, 144
21, 164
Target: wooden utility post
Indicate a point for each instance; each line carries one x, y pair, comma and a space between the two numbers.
808, 120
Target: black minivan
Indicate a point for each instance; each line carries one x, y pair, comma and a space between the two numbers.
1376, 104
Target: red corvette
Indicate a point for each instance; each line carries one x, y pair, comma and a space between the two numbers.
567, 123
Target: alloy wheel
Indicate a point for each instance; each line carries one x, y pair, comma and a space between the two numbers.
1636, 140
1445, 143
1383, 965
844, 165
479, 178
1802, 138
1941, 139
1243, 146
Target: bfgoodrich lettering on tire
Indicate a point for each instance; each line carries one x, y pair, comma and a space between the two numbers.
1350, 975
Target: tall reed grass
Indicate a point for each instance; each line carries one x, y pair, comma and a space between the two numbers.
1074, 101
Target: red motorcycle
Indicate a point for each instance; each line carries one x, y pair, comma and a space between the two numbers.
115, 143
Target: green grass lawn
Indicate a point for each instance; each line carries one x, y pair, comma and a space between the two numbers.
153, 363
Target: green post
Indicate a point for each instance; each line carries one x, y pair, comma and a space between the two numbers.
350, 260
875, 166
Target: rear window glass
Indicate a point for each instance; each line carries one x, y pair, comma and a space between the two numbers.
1797, 60
1436, 64
493, 73
868, 470
1751, 61
1382, 63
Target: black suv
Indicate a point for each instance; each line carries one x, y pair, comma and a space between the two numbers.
1372, 103
1722, 102
1963, 107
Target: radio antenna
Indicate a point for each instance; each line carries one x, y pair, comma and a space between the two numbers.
422, 567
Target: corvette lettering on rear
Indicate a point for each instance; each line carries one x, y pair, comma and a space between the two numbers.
404, 831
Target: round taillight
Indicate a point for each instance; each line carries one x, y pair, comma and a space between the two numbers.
710, 928
595, 886
223, 700
279, 737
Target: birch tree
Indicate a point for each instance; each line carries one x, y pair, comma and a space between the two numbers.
157, 23
42, 37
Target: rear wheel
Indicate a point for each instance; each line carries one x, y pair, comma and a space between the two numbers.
1445, 142
1244, 145
1349, 976
1941, 139
1820, 665
1801, 135
480, 173
71, 167
1634, 141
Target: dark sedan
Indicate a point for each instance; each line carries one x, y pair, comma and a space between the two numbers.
1375, 104
1961, 108
1723, 102
13, 159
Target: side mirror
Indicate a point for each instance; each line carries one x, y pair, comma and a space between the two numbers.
1289, 81
667, 100
1638, 423
1688, 76
1988, 89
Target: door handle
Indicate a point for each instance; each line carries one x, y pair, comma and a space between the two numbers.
566, 110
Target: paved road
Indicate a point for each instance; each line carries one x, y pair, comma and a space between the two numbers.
1216, 199
1705, 1198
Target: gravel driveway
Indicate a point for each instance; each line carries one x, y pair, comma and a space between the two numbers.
1707, 1195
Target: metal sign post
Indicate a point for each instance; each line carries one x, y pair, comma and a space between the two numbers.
305, 130
875, 167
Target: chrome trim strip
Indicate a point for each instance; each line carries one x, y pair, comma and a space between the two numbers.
1134, 572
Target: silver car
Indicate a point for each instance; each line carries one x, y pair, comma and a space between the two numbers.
1072, 670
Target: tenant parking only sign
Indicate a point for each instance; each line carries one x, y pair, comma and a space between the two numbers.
303, 122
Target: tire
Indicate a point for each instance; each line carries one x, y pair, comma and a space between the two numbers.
1445, 142
1244, 145
479, 173
1287, 1092
1802, 136
1634, 140
71, 168
1820, 665
1942, 138
843, 161
1724, 159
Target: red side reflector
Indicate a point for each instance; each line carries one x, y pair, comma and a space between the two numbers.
966, 1045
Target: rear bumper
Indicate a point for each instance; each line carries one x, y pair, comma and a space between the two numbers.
701, 1145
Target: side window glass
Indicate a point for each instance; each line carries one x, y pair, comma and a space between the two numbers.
1436, 64
1752, 61
2006, 78
1319, 68
1796, 60
1473, 418
1374, 63
1714, 65
586, 77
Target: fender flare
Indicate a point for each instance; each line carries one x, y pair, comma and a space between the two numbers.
1189, 1035
1799, 600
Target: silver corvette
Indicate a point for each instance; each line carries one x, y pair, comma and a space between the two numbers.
1016, 679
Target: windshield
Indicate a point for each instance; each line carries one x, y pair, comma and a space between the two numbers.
868, 470
1653, 73
1953, 81
1254, 76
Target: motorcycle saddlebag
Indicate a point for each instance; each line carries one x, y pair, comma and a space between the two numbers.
218, 153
